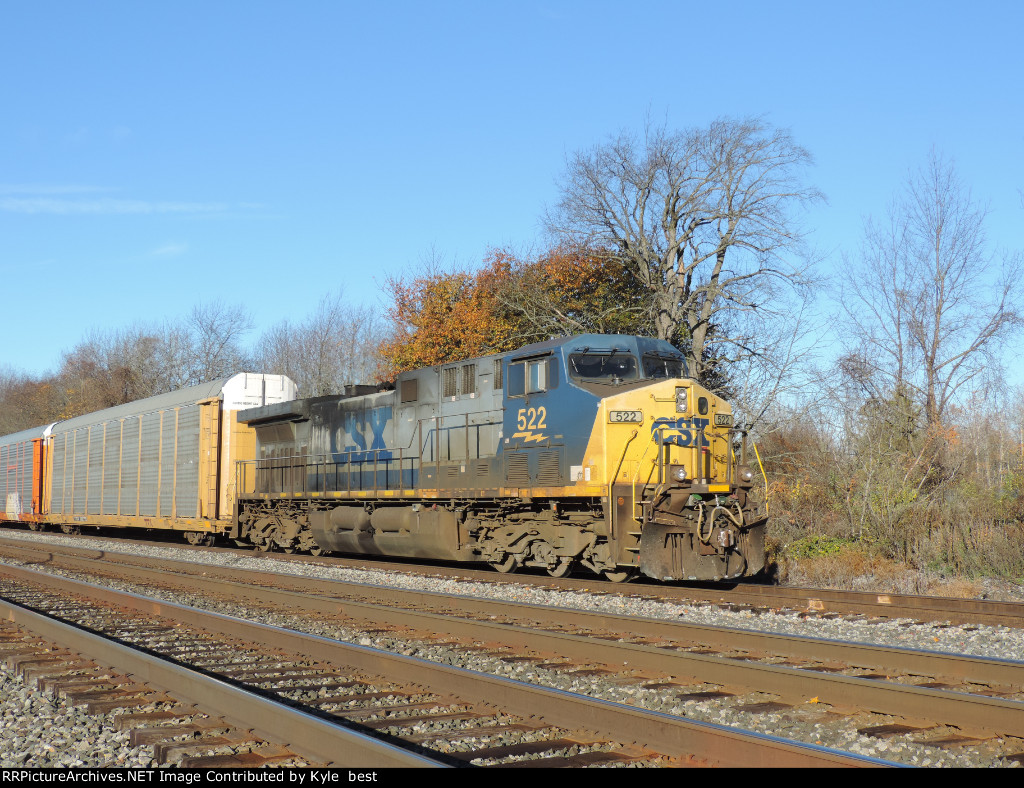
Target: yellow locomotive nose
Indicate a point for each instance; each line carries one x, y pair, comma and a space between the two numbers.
680, 484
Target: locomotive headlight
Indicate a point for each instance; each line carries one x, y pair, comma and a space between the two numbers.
745, 474
678, 473
682, 397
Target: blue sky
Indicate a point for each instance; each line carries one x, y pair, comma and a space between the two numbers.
155, 154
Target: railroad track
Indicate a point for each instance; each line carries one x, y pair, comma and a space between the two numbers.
810, 602
940, 699
353, 705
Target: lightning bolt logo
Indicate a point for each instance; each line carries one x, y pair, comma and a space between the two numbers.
535, 437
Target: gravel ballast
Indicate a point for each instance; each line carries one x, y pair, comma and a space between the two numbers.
26, 719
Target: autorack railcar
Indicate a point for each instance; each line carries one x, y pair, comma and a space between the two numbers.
165, 462
595, 451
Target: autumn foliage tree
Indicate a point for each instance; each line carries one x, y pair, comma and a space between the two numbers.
439, 317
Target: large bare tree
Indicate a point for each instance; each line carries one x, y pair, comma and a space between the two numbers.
332, 347
930, 306
706, 219
207, 344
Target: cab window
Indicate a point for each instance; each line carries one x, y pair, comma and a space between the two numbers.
603, 366
663, 367
532, 376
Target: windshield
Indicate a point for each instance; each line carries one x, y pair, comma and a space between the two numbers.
663, 367
603, 366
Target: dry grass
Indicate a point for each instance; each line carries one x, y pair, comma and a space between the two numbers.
857, 570
854, 570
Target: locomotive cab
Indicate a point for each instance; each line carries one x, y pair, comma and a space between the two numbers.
617, 419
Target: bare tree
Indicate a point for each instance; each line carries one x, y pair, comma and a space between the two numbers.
930, 306
111, 368
208, 344
704, 218
25, 400
332, 347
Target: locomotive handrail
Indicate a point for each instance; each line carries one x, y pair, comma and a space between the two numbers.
659, 441
285, 476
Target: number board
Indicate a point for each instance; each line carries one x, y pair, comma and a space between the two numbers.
626, 416
723, 419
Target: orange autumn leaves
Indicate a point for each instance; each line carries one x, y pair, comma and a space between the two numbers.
440, 317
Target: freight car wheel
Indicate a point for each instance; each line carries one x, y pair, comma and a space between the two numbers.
508, 565
73, 530
199, 538
563, 569
619, 577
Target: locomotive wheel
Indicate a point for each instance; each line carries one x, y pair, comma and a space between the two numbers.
563, 568
619, 577
506, 566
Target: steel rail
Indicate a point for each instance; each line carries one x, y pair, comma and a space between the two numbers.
313, 738
810, 600
665, 734
314, 594
967, 711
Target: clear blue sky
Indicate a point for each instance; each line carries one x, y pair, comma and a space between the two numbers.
153, 154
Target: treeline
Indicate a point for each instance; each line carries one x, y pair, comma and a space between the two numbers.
910, 445
333, 345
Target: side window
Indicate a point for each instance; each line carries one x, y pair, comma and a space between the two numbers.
532, 376
536, 376
516, 379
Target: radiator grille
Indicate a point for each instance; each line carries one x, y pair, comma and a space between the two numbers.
517, 470
549, 471
481, 469
468, 379
449, 381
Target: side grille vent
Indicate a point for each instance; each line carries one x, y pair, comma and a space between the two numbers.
517, 470
549, 470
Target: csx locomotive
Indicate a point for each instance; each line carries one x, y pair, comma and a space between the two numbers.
592, 451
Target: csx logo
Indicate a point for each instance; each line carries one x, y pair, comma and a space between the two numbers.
684, 431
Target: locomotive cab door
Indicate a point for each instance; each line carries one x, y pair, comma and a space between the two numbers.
533, 454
